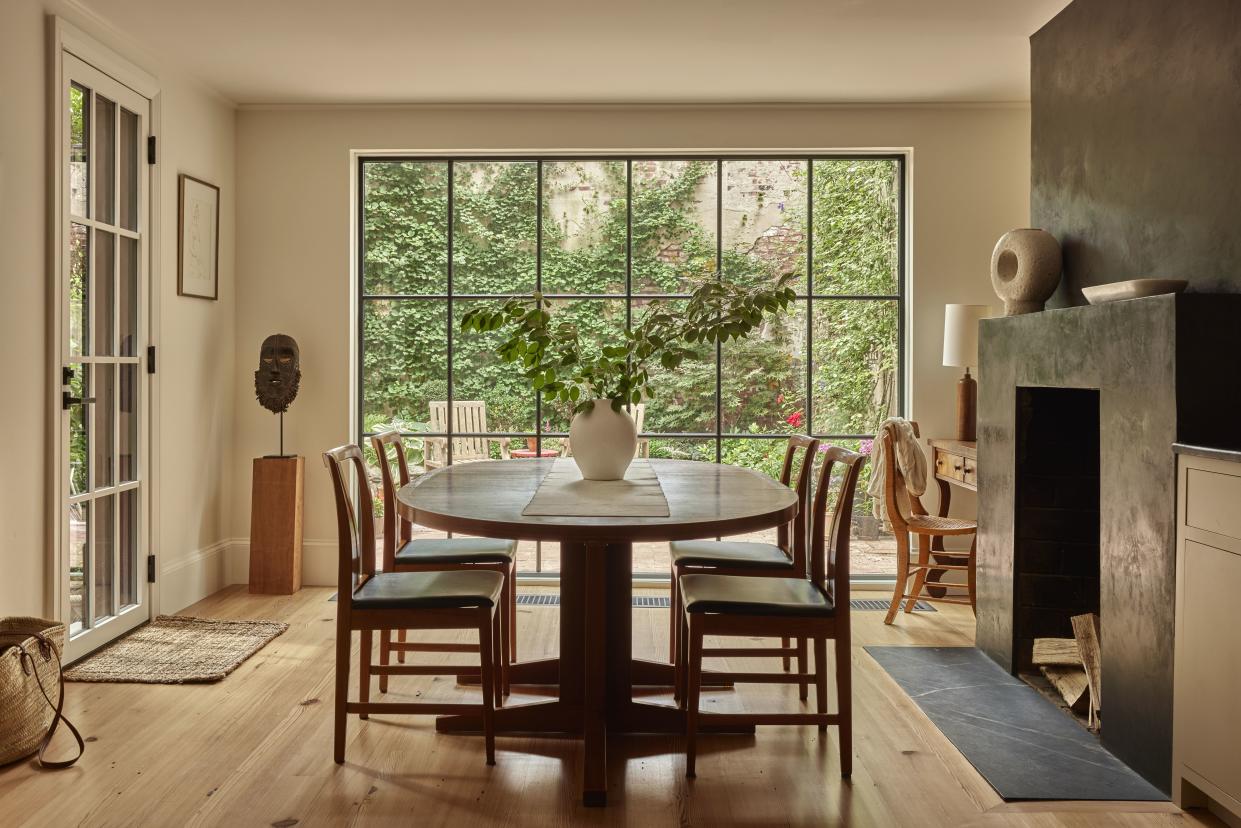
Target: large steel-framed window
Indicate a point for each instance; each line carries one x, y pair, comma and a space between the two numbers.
600, 236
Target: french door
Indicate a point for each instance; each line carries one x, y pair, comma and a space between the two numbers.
103, 305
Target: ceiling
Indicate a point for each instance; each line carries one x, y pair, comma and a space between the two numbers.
586, 51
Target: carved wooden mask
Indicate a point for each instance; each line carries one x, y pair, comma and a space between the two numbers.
279, 374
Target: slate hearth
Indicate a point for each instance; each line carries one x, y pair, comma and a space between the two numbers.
1166, 368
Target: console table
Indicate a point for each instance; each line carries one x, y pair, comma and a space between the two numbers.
953, 463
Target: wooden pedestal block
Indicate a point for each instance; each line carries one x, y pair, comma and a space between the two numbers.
276, 525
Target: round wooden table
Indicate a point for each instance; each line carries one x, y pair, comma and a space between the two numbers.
596, 553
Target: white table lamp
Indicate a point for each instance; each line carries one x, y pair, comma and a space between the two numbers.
961, 351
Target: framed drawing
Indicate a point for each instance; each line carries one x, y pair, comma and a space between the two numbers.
198, 238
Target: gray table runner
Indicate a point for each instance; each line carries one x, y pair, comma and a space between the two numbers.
564, 493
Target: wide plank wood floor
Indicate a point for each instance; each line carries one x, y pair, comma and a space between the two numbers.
256, 750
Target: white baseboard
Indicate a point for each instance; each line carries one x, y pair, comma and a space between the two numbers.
194, 577
319, 562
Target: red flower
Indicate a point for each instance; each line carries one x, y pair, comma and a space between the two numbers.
794, 419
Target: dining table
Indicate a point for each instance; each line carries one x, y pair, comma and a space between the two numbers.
595, 671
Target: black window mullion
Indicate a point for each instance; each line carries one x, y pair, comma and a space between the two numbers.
450, 213
538, 287
809, 343
719, 274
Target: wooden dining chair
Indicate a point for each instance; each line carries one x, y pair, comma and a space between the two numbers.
785, 558
401, 553
368, 601
925, 527
816, 607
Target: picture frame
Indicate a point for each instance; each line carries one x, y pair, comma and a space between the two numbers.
198, 238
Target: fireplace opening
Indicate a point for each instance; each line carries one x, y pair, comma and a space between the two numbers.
1056, 520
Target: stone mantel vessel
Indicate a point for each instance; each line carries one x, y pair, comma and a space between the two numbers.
1166, 368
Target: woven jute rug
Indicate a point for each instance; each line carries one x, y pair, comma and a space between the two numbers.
177, 649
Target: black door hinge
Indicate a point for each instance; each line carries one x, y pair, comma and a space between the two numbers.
150, 149
150, 359
150, 569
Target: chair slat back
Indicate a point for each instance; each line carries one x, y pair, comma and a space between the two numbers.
467, 416
829, 547
799, 527
386, 444
894, 481
355, 522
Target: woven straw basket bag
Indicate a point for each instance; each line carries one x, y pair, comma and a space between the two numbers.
32, 691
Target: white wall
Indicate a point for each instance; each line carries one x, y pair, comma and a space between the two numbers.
196, 351
970, 169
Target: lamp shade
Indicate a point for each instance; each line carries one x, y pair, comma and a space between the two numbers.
961, 334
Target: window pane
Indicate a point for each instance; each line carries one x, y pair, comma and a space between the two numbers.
683, 448
79, 547
79, 434
102, 558
405, 227
763, 379
479, 374
79, 150
855, 365
127, 295
683, 399
856, 226
128, 551
765, 221
127, 451
104, 410
79, 290
105, 159
105, 291
599, 322
129, 169
761, 455
495, 214
404, 360
674, 224
584, 227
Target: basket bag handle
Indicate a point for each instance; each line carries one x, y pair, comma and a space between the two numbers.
31, 668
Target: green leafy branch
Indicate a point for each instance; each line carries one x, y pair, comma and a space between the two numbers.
555, 362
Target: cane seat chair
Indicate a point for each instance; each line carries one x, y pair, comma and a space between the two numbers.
925, 527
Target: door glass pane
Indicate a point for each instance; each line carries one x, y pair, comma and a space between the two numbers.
584, 221
128, 518
682, 399
495, 212
79, 290
405, 227
765, 220
127, 295
105, 291
79, 150
856, 226
79, 545
127, 450
79, 432
105, 159
104, 410
599, 322
674, 225
129, 170
102, 558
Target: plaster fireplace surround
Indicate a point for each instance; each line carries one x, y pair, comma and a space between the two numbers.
1078, 409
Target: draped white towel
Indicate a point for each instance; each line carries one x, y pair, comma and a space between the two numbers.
909, 460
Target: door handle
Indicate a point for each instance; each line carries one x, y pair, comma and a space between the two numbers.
67, 400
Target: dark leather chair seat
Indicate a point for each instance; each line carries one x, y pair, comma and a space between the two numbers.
457, 551
454, 589
734, 554
749, 595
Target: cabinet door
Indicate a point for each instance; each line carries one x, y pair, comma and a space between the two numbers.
1209, 652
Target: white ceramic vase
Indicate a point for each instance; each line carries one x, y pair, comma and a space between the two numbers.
604, 442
